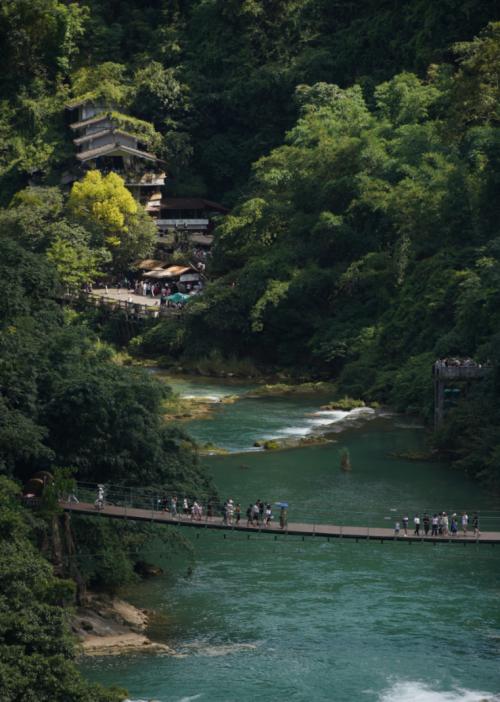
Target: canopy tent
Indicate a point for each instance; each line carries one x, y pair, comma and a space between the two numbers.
157, 274
178, 297
177, 271
149, 264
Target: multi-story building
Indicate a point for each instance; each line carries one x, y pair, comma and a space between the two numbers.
109, 140
112, 141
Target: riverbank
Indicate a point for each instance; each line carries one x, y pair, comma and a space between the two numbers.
323, 598
109, 626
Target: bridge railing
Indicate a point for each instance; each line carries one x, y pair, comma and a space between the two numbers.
135, 309
152, 500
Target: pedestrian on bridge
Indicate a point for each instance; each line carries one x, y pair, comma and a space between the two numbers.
435, 525
196, 511
475, 524
268, 515
405, 524
99, 503
283, 517
465, 522
427, 523
416, 522
249, 515
237, 514
229, 511
173, 506
255, 514
185, 505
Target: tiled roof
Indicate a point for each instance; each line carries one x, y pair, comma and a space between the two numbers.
89, 121
110, 148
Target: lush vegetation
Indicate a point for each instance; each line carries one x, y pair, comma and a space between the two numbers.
366, 246
215, 78
65, 403
362, 245
36, 649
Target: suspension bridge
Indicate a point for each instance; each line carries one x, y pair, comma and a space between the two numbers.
148, 509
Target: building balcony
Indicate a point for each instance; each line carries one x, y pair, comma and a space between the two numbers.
197, 224
144, 180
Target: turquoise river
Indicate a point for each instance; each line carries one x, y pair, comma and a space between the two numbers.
263, 619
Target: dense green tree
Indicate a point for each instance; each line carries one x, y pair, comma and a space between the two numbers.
367, 244
105, 206
36, 648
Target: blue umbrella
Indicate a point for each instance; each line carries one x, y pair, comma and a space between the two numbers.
281, 504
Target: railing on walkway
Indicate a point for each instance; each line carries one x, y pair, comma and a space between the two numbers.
133, 309
122, 501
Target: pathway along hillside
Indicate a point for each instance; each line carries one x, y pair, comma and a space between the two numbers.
293, 529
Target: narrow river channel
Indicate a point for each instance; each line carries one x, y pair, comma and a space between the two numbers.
315, 620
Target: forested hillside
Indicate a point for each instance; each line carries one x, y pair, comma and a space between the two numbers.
358, 145
216, 77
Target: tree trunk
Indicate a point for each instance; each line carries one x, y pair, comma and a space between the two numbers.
81, 588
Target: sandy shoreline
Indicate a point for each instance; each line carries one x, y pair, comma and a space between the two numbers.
109, 626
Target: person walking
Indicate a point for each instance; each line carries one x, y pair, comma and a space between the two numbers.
249, 515
283, 517
99, 503
446, 523
416, 522
405, 524
465, 522
185, 505
396, 529
475, 524
454, 525
435, 525
255, 514
196, 511
229, 511
268, 515
237, 514
427, 523
173, 506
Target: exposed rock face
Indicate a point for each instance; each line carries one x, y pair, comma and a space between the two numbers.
147, 570
110, 626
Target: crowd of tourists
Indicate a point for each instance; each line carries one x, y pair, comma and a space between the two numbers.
258, 513
171, 294
439, 524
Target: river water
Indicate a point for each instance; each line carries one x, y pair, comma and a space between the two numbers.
257, 618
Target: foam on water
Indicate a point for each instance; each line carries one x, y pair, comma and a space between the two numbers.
411, 691
294, 431
331, 414
320, 421
205, 649
204, 398
321, 418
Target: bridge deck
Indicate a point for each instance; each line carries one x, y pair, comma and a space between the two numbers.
294, 529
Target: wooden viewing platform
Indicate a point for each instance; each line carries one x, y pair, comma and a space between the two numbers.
292, 529
137, 307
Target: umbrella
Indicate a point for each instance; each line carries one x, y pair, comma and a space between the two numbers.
281, 504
